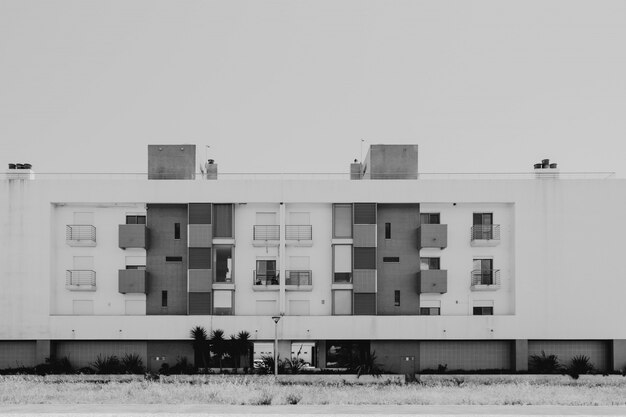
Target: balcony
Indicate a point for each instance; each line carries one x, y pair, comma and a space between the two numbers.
301, 234
485, 280
80, 280
485, 235
299, 280
265, 282
132, 281
432, 236
133, 236
432, 281
266, 234
80, 235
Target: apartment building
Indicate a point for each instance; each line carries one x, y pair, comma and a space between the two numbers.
468, 272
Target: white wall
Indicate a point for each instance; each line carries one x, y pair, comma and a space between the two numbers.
567, 254
107, 257
457, 257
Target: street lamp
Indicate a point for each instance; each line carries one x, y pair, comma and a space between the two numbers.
276, 319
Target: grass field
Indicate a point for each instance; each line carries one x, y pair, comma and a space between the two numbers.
252, 390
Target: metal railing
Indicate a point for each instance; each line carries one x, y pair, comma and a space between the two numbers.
266, 232
272, 278
80, 278
299, 277
489, 277
299, 232
485, 232
79, 232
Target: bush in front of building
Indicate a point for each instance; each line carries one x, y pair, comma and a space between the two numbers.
544, 364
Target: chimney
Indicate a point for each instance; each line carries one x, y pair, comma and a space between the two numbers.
21, 171
211, 169
355, 170
545, 169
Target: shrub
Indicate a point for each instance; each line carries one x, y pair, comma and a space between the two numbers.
107, 365
368, 366
182, 367
294, 365
543, 364
133, 364
55, 366
442, 368
579, 365
293, 398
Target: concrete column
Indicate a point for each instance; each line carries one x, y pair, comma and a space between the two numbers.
42, 351
618, 354
281, 260
519, 355
321, 354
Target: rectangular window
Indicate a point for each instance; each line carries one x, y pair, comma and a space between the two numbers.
430, 311
223, 263
176, 230
387, 230
391, 259
483, 311
342, 263
140, 267
173, 259
429, 218
135, 219
429, 263
223, 220
163, 298
483, 226
266, 273
482, 272
396, 298
342, 220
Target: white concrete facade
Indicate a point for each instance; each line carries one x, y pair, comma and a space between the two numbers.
560, 255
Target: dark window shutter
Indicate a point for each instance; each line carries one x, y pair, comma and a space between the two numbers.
199, 258
223, 219
365, 213
199, 303
365, 304
200, 213
364, 258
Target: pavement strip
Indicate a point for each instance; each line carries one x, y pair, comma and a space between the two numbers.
193, 410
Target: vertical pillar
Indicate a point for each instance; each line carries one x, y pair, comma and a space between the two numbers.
519, 355
618, 354
42, 351
281, 260
321, 354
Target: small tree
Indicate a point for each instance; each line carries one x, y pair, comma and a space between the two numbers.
200, 345
218, 345
244, 346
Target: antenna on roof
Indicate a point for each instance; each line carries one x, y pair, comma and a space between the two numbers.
362, 140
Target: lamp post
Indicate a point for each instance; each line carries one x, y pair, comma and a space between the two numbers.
276, 319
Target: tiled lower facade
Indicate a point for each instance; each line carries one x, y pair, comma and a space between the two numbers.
14, 354
466, 354
82, 353
598, 351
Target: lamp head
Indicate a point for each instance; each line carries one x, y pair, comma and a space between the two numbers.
275, 318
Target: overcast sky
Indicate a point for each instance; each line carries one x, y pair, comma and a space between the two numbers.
293, 86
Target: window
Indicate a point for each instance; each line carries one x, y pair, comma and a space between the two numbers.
483, 311
391, 259
140, 267
223, 220
342, 263
483, 226
342, 220
482, 272
430, 311
163, 298
387, 230
223, 263
429, 218
266, 273
396, 298
136, 219
176, 230
429, 263
173, 259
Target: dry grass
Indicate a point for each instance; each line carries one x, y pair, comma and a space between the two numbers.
265, 390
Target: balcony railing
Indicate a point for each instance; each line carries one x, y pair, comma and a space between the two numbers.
80, 279
299, 277
299, 232
80, 235
485, 279
486, 232
265, 279
266, 232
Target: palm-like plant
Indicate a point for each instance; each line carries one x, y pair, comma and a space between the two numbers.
200, 345
218, 345
244, 346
